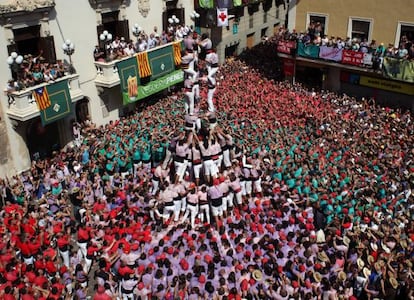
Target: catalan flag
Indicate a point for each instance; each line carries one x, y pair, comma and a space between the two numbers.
144, 68
177, 53
42, 98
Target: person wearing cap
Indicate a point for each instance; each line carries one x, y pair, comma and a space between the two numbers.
215, 196
204, 206
167, 195
210, 169
192, 205
182, 150
235, 195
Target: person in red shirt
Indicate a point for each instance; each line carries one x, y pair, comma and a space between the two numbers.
101, 294
62, 242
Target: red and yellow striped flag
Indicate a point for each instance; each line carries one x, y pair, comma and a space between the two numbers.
42, 98
144, 68
177, 53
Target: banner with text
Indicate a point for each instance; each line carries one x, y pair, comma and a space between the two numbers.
354, 58
388, 85
330, 53
154, 86
60, 102
308, 51
399, 69
286, 46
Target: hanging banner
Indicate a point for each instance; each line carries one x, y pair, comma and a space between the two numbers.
399, 69
288, 67
222, 17
354, 58
367, 60
155, 86
388, 85
206, 3
129, 76
308, 51
60, 102
237, 2
161, 61
286, 46
224, 3
157, 63
330, 53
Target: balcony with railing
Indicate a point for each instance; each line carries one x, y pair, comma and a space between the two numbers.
160, 61
23, 107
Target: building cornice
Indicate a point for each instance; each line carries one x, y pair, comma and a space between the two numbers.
21, 7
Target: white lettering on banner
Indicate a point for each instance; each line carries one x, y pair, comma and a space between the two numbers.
161, 84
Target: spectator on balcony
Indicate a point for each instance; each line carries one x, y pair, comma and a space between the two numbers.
116, 43
364, 46
98, 54
402, 51
123, 44
411, 51
355, 44
142, 44
340, 44
37, 75
348, 43
130, 49
152, 42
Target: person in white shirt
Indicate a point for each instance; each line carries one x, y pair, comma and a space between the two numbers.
212, 68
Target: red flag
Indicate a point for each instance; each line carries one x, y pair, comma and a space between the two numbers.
42, 98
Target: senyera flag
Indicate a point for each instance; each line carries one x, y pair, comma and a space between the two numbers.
42, 98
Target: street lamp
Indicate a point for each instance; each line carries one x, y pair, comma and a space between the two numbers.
136, 30
69, 48
173, 20
106, 38
14, 61
195, 16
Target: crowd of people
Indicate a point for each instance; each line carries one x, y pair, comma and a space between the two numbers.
120, 48
315, 36
266, 191
32, 71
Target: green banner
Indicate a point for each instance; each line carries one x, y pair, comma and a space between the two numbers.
128, 70
154, 86
61, 102
161, 61
399, 69
206, 3
308, 51
237, 2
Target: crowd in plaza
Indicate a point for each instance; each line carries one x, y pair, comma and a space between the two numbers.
236, 187
315, 35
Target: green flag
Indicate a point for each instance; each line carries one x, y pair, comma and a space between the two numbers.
60, 102
237, 2
206, 3
129, 78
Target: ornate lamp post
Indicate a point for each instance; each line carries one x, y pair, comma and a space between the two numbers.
136, 30
69, 48
14, 61
106, 38
195, 16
